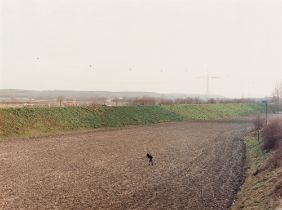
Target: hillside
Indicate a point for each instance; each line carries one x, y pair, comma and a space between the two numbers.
34, 121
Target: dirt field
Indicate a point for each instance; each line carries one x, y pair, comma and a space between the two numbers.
198, 165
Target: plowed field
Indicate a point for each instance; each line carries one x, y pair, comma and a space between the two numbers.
198, 165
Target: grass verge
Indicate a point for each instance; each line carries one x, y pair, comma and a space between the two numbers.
260, 191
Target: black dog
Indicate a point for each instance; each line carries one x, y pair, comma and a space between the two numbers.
150, 157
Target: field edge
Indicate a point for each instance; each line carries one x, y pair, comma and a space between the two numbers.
257, 190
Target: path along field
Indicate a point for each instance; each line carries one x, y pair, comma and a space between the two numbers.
198, 165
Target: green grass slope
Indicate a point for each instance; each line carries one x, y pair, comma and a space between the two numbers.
33, 121
215, 111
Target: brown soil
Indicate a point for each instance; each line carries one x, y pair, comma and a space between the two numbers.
198, 165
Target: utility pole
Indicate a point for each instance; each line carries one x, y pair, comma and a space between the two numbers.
208, 77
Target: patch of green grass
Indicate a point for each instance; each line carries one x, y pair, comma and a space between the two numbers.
32, 121
29, 121
256, 156
214, 111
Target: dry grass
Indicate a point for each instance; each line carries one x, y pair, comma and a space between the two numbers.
262, 189
272, 141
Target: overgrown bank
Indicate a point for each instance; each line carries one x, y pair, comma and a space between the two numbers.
262, 189
33, 121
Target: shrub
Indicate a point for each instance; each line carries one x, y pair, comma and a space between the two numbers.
272, 134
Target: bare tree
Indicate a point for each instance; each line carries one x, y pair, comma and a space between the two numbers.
277, 96
164, 101
211, 101
197, 100
60, 99
143, 101
116, 100
98, 101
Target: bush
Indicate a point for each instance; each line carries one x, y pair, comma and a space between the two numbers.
272, 134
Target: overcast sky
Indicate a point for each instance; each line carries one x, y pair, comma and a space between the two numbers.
142, 45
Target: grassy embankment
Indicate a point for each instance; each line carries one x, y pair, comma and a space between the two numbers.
34, 121
263, 182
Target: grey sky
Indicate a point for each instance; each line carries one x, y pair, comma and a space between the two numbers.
142, 45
